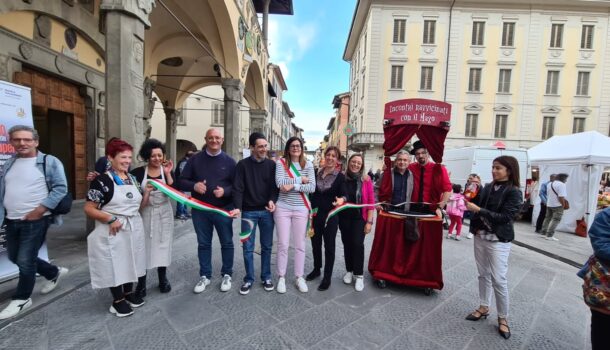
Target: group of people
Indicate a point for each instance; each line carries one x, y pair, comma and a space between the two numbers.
553, 202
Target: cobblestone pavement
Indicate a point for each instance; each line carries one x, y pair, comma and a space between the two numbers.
547, 311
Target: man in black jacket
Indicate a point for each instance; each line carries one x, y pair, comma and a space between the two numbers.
255, 194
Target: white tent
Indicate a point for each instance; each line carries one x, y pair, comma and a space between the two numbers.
583, 157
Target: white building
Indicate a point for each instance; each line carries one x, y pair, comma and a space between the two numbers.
518, 71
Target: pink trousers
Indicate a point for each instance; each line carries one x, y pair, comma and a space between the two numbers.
290, 223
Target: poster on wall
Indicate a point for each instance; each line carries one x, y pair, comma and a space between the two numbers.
15, 109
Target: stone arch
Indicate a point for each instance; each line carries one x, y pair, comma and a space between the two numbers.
254, 91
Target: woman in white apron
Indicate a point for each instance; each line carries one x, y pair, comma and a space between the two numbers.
157, 215
116, 247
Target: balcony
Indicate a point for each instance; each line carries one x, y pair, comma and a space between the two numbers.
365, 140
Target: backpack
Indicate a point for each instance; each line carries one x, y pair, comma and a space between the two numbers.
65, 204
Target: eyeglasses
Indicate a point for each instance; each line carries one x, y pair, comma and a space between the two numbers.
295, 146
22, 140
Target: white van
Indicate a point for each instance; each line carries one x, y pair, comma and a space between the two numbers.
461, 162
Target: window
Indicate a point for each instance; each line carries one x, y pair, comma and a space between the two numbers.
500, 130
552, 82
478, 33
471, 125
504, 81
429, 32
582, 86
556, 35
508, 34
426, 78
586, 38
399, 30
181, 115
474, 82
363, 86
396, 82
548, 126
218, 113
578, 125
364, 44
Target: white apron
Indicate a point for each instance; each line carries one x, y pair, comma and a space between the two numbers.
119, 259
158, 218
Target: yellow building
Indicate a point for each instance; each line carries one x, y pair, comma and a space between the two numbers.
519, 71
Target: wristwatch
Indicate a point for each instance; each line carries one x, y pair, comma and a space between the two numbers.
114, 218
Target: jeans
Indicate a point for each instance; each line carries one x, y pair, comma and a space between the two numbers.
181, 210
328, 234
492, 265
352, 236
204, 224
264, 220
23, 240
552, 219
290, 223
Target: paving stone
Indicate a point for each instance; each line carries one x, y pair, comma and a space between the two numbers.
22, 335
371, 297
283, 306
315, 324
329, 344
268, 339
189, 310
89, 338
412, 341
370, 332
147, 314
156, 336
399, 313
541, 341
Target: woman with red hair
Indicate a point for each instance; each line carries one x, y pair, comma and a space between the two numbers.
116, 245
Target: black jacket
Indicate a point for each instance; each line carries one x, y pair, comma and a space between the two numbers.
501, 216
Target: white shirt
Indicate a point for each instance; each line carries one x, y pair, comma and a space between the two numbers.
551, 197
25, 188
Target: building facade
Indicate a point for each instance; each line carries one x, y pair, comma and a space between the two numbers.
517, 72
336, 127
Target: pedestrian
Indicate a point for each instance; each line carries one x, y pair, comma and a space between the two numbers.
596, 275
32, 183
254, 196
494, 211
355, 223
182, 212
455, 209
543, 198
556, 204
329, 186
157, 214
101, 164
295, 177
209, 176
116, 247
431, 185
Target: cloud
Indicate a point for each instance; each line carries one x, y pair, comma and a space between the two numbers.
289, 42
314, 122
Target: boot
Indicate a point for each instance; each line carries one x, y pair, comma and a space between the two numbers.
164, 286
141, 287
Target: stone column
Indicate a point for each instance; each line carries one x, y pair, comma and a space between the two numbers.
126, 21
234, 92
170, 132
257, 121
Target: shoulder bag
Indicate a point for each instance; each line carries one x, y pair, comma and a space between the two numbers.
65, 204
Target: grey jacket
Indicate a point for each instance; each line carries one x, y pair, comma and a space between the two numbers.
55, 177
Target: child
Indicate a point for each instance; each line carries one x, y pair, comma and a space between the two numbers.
455, 209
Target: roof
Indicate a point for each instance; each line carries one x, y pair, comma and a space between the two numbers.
337, 100
276, 7
277, 72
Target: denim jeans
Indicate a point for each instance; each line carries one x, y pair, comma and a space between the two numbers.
181, 210
204, 224
264, 220
23, 240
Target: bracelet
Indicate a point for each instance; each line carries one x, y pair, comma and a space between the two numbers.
114, 218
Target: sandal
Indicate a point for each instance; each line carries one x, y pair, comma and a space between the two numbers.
503, 323
478, 314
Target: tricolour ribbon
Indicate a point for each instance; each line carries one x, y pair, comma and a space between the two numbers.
345, 206
292, 173
199, 205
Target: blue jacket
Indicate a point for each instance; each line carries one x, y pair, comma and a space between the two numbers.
599, 234
542, 192
55, 177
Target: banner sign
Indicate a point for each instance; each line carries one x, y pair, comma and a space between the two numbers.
15, 109
417, 111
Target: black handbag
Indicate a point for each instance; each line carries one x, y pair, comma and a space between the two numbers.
65, 204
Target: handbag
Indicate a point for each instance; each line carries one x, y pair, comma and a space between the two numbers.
65, 204
596, 286
564, 202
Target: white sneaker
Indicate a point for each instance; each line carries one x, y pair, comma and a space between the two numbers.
14, 308
200, 286
552, 239
457, 238
281, 285
225, 286
347, 278
50, 285
469, 235
359, 283
301, 285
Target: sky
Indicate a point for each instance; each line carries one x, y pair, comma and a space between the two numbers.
308, 47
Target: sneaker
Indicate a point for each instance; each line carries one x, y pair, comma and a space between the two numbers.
347, 278
301, 285
50, 285
200, 286
225, 285
552, 239
245, 288
281, 285
121, 309
14, 308
268, 285
457, 238
359, 283
448, 236
134, 300
469, 235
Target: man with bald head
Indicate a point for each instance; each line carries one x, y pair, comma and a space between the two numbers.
208, 175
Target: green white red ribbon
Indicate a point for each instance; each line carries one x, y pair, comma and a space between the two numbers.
292, 173
345, 206
199, 205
